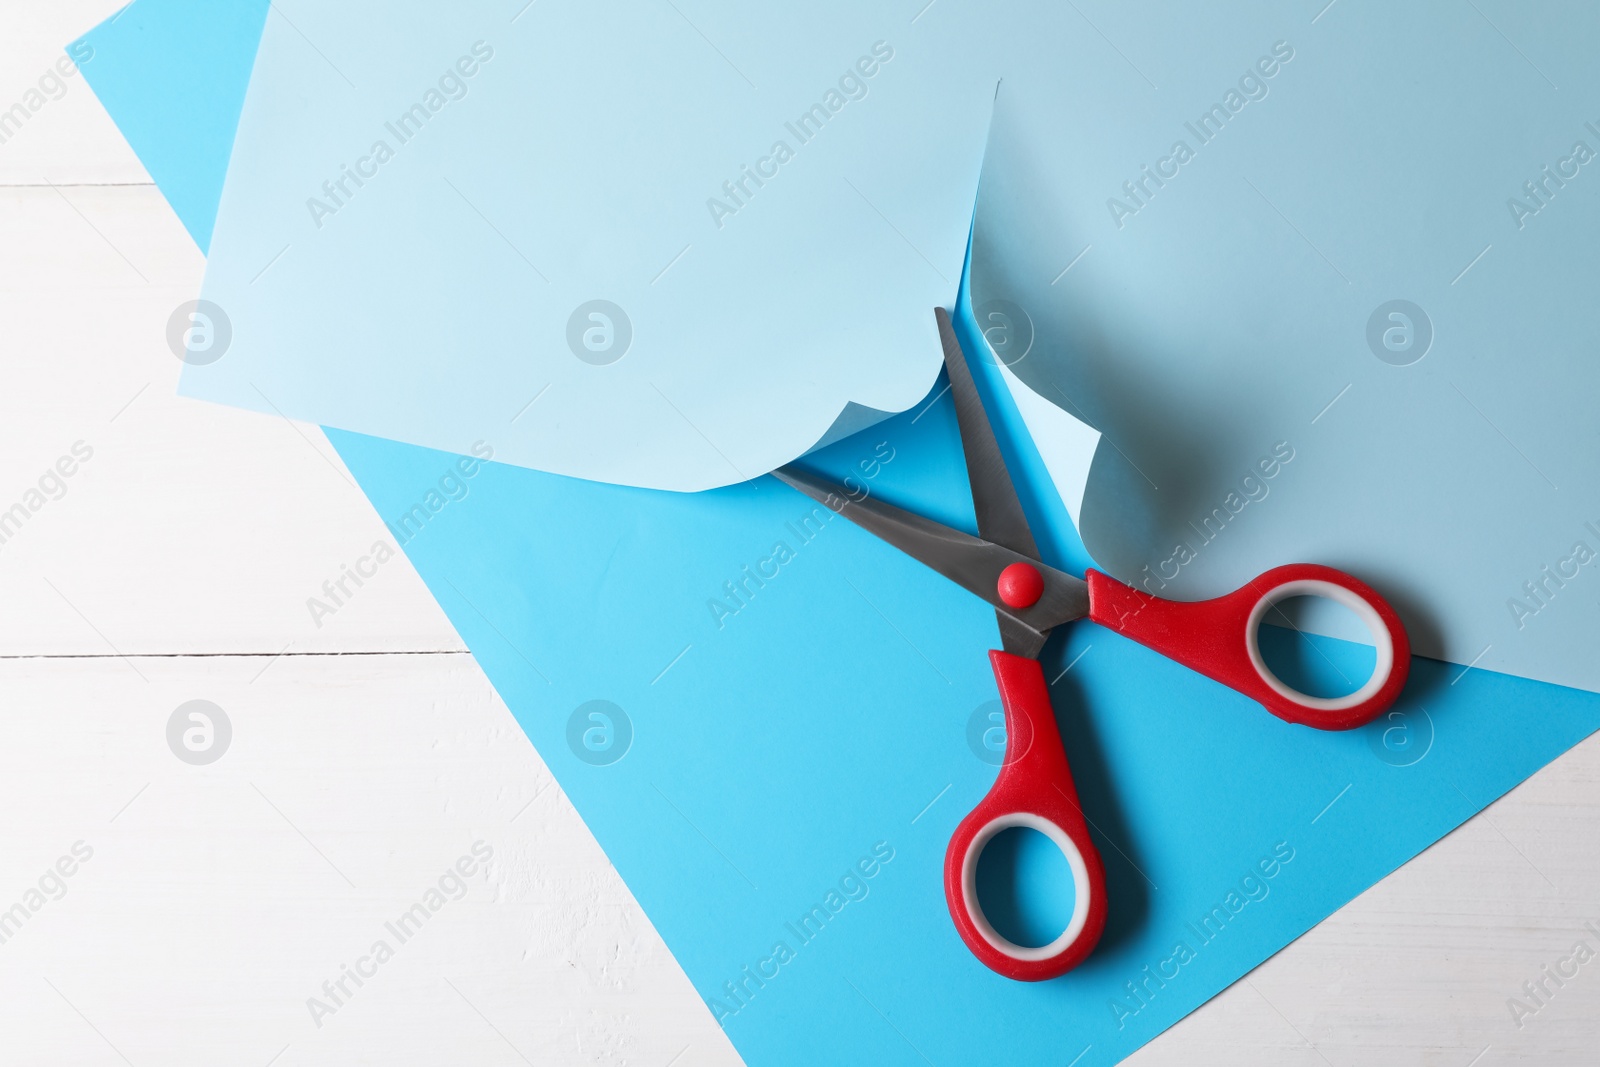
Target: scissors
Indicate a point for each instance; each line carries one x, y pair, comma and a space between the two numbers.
1001, 565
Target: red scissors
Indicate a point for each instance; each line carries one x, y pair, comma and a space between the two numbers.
1030, 598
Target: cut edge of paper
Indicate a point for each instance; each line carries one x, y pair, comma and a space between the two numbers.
852, 419
1066, 445
701, 465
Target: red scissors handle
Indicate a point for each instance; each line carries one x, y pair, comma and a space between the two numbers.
1218, 639
1035, 791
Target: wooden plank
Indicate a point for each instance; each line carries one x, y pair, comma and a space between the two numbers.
1423, 967
218, 899
191, 527
65, 136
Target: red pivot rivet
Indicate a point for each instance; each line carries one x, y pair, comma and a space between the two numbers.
1020, 586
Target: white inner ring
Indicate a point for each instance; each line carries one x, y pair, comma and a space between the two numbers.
1340, 595
1080, 886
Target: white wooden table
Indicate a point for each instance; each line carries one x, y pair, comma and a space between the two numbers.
369, 755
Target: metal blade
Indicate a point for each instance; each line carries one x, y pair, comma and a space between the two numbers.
994, 498
971, 562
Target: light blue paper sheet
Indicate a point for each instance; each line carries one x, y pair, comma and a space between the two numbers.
1208, 269
1329, 166
769, 755
463, 222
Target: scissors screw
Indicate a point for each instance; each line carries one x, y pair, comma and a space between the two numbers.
1021, 585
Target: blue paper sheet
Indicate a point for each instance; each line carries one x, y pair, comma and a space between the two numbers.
745, 764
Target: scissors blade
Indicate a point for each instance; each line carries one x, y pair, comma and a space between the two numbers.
994, 497
971, 562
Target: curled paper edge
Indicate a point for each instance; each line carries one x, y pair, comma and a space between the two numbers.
1066, 444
